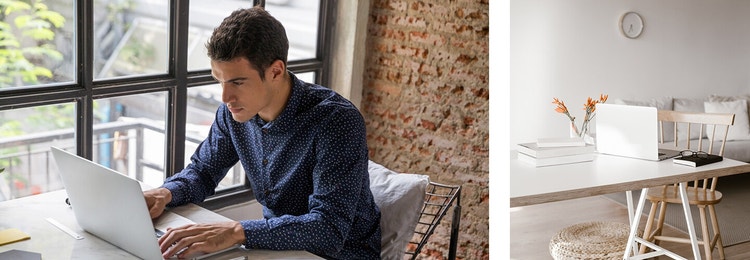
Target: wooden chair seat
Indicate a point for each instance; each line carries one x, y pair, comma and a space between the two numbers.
696, 196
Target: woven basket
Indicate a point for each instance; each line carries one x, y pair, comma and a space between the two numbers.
590, 240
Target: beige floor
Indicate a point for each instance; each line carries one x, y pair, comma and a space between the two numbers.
531, 227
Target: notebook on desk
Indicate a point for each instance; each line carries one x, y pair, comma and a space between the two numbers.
111, 206
629, 131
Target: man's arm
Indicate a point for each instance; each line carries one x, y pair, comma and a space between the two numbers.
208, 165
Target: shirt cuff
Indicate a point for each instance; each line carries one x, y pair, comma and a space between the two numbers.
178, 197
254, 232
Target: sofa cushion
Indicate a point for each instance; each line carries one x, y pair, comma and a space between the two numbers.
718, 98
689, 105
741, 128
400, 197
660, 103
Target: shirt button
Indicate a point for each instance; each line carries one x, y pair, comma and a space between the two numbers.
266, 192
265, 131
265, 161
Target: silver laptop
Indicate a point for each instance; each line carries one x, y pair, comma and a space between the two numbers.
630, 131
111, 206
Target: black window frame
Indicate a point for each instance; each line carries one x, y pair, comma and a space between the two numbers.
85, 90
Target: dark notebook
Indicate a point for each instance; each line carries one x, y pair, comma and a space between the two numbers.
698, 160
16, 254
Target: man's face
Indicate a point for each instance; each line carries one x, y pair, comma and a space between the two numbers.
242, 89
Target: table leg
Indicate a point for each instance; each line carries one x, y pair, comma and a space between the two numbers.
631, 214
634, 222
689, 220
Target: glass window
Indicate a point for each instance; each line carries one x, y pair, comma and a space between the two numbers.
204, 17
132, 91
300, 19
202, 104
25, 137
306, 76
130, 38
38, 43
129, 136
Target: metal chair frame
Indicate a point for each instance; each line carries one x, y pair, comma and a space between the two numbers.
438, 199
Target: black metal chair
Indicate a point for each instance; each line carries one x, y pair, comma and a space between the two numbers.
438, 200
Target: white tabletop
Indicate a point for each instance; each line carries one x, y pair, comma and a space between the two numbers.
605, 174
29, 214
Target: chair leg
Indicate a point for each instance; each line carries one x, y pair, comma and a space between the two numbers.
707, 248
717, 233
647, 235
660, 223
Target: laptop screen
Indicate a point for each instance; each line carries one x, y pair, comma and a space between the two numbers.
630, 131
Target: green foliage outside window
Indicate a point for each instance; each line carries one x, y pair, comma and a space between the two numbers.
26, 35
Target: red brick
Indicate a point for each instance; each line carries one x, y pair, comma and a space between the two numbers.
426, 103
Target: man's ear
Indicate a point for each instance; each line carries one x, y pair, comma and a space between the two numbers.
276, 70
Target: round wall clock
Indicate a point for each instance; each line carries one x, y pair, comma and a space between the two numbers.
631, 25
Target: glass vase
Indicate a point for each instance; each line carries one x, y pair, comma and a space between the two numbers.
582, 133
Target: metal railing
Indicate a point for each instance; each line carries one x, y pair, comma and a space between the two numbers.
29, 169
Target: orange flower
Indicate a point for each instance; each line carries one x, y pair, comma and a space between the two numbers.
589, 107
561, 108
590, 104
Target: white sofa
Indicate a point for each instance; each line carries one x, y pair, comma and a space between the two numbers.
738, 138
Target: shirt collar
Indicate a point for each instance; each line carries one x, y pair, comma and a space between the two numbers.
290, 109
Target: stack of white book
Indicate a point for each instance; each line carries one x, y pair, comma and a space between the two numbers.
556, 151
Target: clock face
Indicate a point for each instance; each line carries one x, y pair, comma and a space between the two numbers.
631, 25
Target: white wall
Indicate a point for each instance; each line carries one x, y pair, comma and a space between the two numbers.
573, 49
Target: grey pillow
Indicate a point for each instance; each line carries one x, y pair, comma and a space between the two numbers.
690, 105
400, 197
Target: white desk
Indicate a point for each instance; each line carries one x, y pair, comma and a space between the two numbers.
29, 214
609, 174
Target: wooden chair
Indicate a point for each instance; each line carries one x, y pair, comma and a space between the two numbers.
701, 193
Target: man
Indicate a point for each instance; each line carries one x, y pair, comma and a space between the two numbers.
303, 148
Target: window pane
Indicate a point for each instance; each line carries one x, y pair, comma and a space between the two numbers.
25, 137
129, 136
130, 38
308, 77
204, 17
40, 49
202, 104
300, 19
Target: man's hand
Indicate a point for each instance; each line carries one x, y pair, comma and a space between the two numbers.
190, 240
156, 201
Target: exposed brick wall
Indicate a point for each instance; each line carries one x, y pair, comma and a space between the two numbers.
426, 104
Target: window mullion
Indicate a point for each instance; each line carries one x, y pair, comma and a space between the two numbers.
85, 78
177, 103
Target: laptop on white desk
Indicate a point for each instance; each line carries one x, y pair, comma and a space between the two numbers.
112, 207
630, 131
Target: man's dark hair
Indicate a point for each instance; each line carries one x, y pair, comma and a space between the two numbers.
251, 33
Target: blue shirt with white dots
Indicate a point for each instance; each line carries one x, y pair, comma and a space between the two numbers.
308, 168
